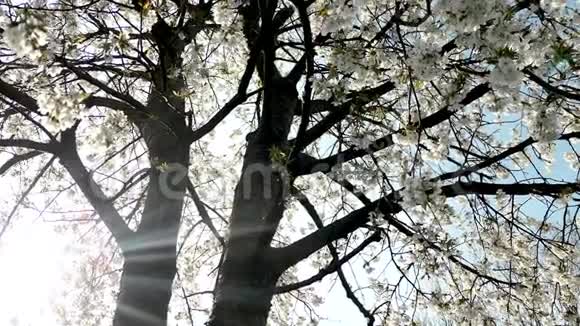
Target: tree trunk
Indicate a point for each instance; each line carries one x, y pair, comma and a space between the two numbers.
146, 285
244, 293
249, 272
150, 262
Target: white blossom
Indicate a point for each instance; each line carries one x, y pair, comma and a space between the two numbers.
421, 192
339, 14
501, 172
572, 159
543, 124
425, 60
63, 110
27, 38
438, 149
362, 142
376, 217
505, 75
465, 16
406, 137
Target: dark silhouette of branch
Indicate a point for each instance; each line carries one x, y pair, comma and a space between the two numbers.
309, 54
330, 268
389, 206
495, 159
17, 159
220, 115
18, 96
358, 99
25, 194
12, 93
138, 106
70, 159
206, 219
26, 143
325, 165
335, 257
550, 88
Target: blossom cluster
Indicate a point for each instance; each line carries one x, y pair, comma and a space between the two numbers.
543, 124
339, 14
425, 60
465, 16
27, 38
505, 74
419, 191
63, 110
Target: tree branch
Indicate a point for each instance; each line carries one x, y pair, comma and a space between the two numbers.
26, 143
494, 159
107, 102
70, 159
203, 212
360, 98
17, 159
325, 165
389, 206
220, 115
550, 88
102, 86
26, 193
330, 268
335, 257
309, 54
18, 96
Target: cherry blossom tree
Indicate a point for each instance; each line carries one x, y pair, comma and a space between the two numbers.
226, 156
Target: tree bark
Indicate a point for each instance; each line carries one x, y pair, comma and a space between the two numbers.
150, 260
146, 285
249, 272
244, 293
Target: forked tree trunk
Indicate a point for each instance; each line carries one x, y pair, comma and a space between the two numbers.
248, 274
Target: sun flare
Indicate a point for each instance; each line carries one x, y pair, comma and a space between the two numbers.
32, 263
